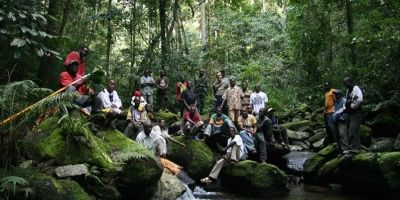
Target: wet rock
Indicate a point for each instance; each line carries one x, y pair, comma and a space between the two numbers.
318, 145
389, 164
169, 187
295, 126
317, 136
254, 177
297, 135
305, 145
28, 164
313, 164
196, 158
71, 170
382, 145
296, 148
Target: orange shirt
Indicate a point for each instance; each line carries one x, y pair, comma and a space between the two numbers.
329, 101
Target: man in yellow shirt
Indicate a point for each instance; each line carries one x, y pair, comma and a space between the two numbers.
329, 109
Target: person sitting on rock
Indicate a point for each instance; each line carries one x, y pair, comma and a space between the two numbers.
162, 130
137, 93
86, 98
248, 129
264, 132
110, 101
152, 140
218, 123
135, 118
191, 122
279, 132
149, 114
235, 151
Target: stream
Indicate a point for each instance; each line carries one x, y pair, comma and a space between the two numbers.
298, 189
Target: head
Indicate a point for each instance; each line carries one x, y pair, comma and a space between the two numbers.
219, 76
257, 88
136, 100
262, 112
245, 112
223, 73
162, 124
271, 112
201, 73
111, 85
147, 72
189, 85
232, 131
137, 93
327, 86
148, 107
72, 67
338, 94
182, 78
147, 127
232, 82
162, 73
83, 52
245, 84
219, 111
192, 110
348, 82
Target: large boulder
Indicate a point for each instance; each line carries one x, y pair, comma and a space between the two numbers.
297, 135
295, 126
169, 187
382, 145
252, 177
196, 158
111, 151
319, 135
389, 164
385, 124
313, 164
169, 117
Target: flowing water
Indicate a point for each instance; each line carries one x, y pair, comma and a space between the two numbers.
298, 190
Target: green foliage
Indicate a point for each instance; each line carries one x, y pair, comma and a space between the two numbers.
75, 128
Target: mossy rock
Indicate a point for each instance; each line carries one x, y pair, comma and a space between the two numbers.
383, 145
169, 117
295, 126
250, 176
365, 135
389, 164
313, 164
196, 158
330, 168
385, 125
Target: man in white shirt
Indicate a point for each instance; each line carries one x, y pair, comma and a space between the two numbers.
152, 140
162, 130
354, 98
258, 100
110, 101
146, 85
235, 151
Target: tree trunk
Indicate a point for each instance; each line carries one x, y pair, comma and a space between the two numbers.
64, 17
264, 7
163, 27
109, 37
349, 18
203, 31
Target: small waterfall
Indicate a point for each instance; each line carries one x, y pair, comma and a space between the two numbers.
296, 160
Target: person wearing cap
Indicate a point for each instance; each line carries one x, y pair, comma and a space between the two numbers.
354, 99
329, 109
152, 140
340, 122
137, 93
233, 96
86, 98
279, 132
219, 87
258, 99
79, 57
146, 86
135, 118
162, 90
201, 86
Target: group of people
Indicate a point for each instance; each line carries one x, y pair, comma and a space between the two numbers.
342, 115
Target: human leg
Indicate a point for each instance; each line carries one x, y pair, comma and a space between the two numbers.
342, 136
353, 131
248, 140
262, 146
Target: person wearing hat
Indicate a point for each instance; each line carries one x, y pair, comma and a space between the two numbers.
233, 96
79, 57
340, 120
86, 98
279, 132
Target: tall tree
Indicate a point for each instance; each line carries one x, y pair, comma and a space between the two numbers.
163, 31
109, 37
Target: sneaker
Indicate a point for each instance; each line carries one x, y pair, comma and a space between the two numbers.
85, 111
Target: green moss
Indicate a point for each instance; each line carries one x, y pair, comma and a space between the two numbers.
71, 190
330, 150
267, 176
389, 164
243, 168
330, 168
169, 117
297, 125
313, 164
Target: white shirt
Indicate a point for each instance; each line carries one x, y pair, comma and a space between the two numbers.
162, 132
258, 101
147, 90
153, 142
239, 143
106, 101
357, 97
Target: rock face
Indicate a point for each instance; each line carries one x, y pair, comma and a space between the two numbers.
196, 158
382, 145
169, 187
295, 126
133, 165
312, 165
253, 177
297, 135
71, 170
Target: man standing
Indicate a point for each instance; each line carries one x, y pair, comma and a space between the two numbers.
109, 99
152, 140
201, 85
246, 95
146, 85
219, 88
189, 97
264, 133
79, 57
258, 100
180, 87
354, 98
233, 96
162, 90
329, 109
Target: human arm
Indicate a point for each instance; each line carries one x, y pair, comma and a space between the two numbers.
117, 101
176, 141
357, 98
229, 146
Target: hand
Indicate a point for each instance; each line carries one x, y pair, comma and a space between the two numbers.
113, 106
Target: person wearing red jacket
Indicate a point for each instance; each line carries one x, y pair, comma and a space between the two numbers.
79, 57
